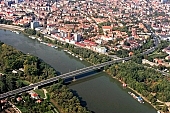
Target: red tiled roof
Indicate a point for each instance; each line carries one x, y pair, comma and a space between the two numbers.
106, 27
89, 42
19, 99
80, 44
38, 101
34, 94
130, 53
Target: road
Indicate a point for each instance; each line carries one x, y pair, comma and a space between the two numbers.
162, 72
156, 43
16, 109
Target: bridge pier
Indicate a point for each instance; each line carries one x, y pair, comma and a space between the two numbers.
35, 87
99, 68
123, 61
74, 79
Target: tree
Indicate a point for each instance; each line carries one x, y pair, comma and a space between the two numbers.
30, 31
19, 84
2, 87
126, 43
101, 31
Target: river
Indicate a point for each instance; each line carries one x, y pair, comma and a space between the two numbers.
100, 92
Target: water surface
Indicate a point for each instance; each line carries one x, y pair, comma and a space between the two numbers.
101, 93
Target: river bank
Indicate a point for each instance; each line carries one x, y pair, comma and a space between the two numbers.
11, 27
134, 91
48, 63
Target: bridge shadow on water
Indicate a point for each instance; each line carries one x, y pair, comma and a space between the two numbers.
82, 102
82, 76
79, 77
76, 78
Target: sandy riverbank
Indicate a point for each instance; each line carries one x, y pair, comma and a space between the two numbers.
11, 27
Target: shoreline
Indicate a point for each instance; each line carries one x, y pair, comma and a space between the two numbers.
11, 27
137, 93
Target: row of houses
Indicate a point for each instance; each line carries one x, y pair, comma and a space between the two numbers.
76, 40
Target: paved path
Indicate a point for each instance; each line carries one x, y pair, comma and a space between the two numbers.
45, 93
16, 109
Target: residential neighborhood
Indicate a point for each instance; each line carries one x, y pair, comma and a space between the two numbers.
100, 32
118, 24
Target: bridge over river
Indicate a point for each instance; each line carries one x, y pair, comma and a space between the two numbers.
71, 74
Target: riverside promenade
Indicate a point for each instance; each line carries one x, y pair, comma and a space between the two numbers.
11, 27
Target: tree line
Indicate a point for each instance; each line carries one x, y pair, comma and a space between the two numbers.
148, 82
87, 54
145, 81
8, 22
66, 99
34, 69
